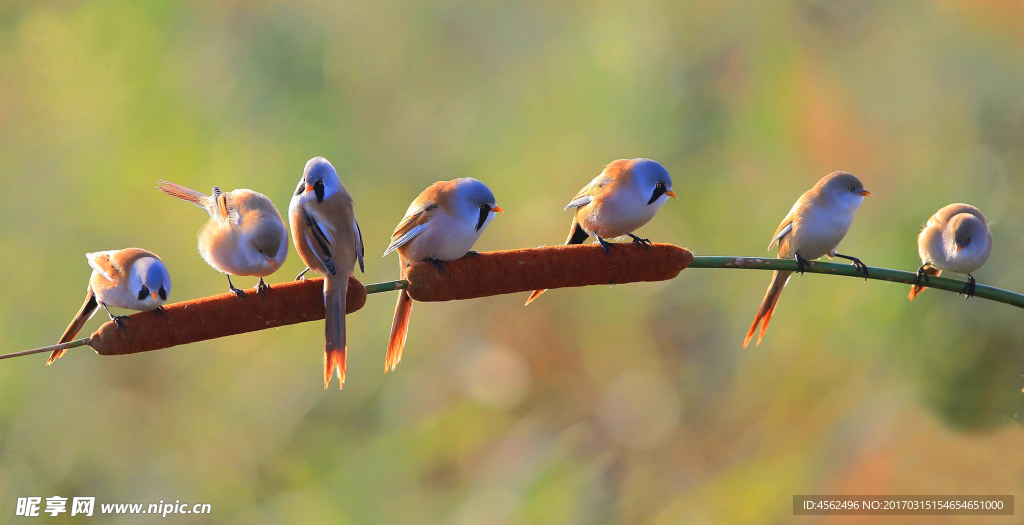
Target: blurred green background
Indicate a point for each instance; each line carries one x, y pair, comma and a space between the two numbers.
625, 404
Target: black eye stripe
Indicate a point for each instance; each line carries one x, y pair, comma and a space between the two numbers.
162, 293
143, 293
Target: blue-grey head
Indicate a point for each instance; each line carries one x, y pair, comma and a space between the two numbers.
652, 177
150, 281
843, 188
319, 179
477, 200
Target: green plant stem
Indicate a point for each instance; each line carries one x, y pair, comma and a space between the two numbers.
69, 344
848, 270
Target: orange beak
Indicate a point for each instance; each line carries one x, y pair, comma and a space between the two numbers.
865, 193
272, 263
958, 248
155, 295
671, 193
309, 187
497, 209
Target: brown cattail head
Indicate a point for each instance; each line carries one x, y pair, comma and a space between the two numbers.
514, 271
220, 316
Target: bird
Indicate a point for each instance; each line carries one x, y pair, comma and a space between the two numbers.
624, 197
245, 235
814, 227
441, 225
956, 239
326, 235
132, 278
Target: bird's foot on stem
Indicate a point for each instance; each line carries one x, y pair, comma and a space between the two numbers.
262, 287
922, 277
801, 264
605, 245
162, 311
437, 264
968, 290
301, 274
641, 241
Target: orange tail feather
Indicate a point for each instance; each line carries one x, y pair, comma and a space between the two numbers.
771, 300
534, 296
84, 314
916, 289
335, 362
399, 331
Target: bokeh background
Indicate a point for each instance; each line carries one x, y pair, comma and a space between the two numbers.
610, 404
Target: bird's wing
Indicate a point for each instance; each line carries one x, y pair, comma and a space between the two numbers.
590, 191
318, 241
411, 225
223, 208
359, 246
100, 262
113, 263
785, 226
581, 199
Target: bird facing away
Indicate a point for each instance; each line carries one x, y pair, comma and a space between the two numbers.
245, 235
624, 197
955, 239
814, 227
326, 235
441, 224
132, 278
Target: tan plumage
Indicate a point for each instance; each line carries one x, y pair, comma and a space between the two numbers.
117, 282
245, 235
814, 227
326, 236
621, 199
957, 239
442, 224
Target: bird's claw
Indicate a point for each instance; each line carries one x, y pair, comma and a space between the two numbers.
861, 267
801, 264
162, 311
922, 277
237, 292
119, 320
472, 253
605, 245
642, 242
301, 276
262, 287
968, 290
437, 264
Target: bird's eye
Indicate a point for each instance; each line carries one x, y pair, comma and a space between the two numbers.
143, 293
482, 206
852, 189
162, 293
659, 185
968, 240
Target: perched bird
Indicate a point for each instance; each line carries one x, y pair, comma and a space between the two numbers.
245, 235
956, 239
441, 224
132, 278
624, 197
326, 235
814, 227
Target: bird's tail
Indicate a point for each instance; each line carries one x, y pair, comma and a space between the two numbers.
399, 328
917, 288
576, 236
186, 194
335, 347
771, 300
83, 316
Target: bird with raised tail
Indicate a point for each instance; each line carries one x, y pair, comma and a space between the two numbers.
441, 224
956, 239
245, 235
814, 227
624, 197
326, 235
132, 278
